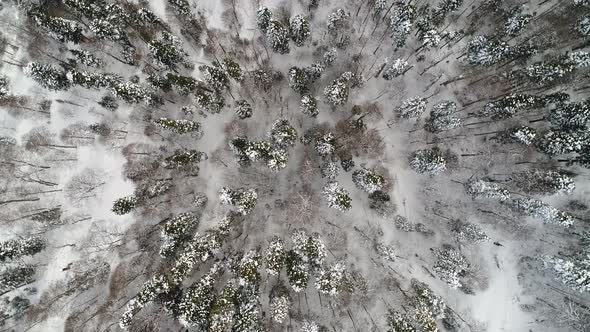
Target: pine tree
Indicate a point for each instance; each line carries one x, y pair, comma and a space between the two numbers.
516, 21
280, 304
282, 133
243, 199
130, 92
337, 197
90, 80
338, 20
330, 169
310, 326
330, 57
247, 269
337, 93
428, 161
400, 22
561, 142
297, 271
124, 205
583, 26
309, 106
167, 51
180, 126
396, 69
368, 180
197, 300
58, 28
275, 256
298, 80
311, 248
15, 277
277, 37
481, 189
544, 182
325, 145
175, 231
47, 76
572, 272
484, 51
466, 232
4, 86
233, 69
450, 265
263, 18
520, 134
109, 103
221, 315
243, 109
184, 159
428, 299
181, 7
215, 76
86, 58
300, 30
540, 210
399, 322
412, 108
330, 281
14, 249
570, 116
441, 117
247, 317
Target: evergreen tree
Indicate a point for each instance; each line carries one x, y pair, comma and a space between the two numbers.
538, 209
338, 20
184, 159
15, 277
399, 322
428, 161
330, 57
263, 18
297, 271
47, 76
282, 133
337, 93
561, 142
368, 180
330, 281
277, 37
400, 22
412, 108
175, 231
441, 117
90, 80
167, 51
243, 109
181, 7
570, 116
197, 300
481, 189
280, 304
325, 145
109, 103
233, 69
520, 134
309, 106
275, 256
311, 248
337, 197
58, 28
544, 182
300, 30
466, 232
396, 69
14, 249
484, 51
573, 272
3, 86
247, 269
124, 205
180, 126
215, 76
330, 169
450, 265
221, 315
583, 26
516, 21
247, 317
86, 58
131, 92
298, 80
244, 200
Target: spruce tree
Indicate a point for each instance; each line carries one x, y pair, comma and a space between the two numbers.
428, 161
58, 28
368, 180
300, 30
14, 249
124, 205
47, 76
277, 37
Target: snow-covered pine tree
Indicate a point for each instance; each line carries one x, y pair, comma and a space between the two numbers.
275, 256
428, 161
309, 106
311, 248
85, 58
330, 280
221, 315
282, 133
443, 9
337, 93
570, 116
263, 18
482, 50
519, 134
583, 26
298, 80
27, 246
337, 197
544, 182
561, 142
441, 117
15, 277
197, 300
243, 199
467, 232
280, 303
297, 271
399, 322
243, 109
233, 69
516, 21
329, 169
338, 20
400, 22
176, 230
48, 76
481, 189
300, 29
450, 265
247, 269
396, 69
368, 180
325, 145
61, 29
248, 311
330, 57
541, 210
412, 108
167, 51
124, 205
277, 37
181, 126
215, 76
